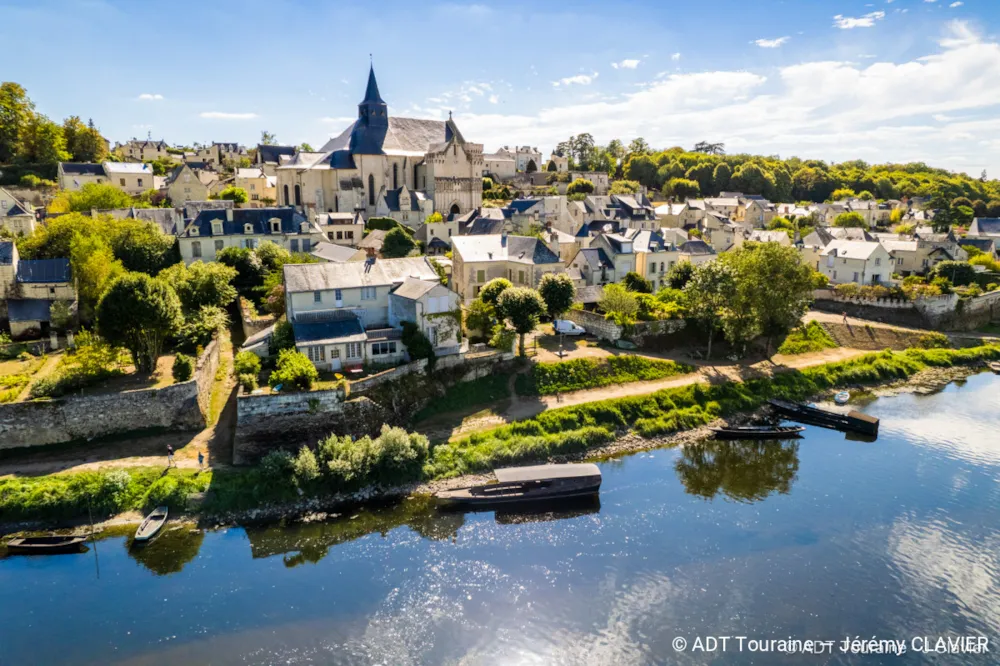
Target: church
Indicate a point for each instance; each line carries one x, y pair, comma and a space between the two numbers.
382, 160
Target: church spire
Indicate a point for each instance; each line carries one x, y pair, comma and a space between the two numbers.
373, 111
371, 93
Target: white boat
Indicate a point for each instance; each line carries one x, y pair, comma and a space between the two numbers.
842, 398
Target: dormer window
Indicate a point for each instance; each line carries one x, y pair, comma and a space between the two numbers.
304, 228
216, 228
193, 231
275, 226
248, 228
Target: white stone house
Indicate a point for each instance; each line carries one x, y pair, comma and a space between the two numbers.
215, 229
341, 228
350, 314
74, 175
16, 216
406, 206
129, 177
862, 262
521, 259
28, 288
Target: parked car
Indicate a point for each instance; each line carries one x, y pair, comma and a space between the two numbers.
566, 327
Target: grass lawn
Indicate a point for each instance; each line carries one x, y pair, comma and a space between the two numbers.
809, 338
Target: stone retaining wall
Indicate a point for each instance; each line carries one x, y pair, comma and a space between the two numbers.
597, 325
175, 407
250, 323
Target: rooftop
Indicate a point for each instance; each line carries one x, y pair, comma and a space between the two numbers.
128, 167
326, 332
381, 272
43, 270
498, 247
333, 252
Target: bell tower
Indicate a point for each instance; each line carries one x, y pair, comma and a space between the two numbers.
373, 111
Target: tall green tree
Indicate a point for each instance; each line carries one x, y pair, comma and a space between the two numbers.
99, 196
42, 141
558, 292
523, 308
83, 142
250, 271
201, 284
267, 138
721, 176
139, 313
850, 219
490, 293
16, 110
142, 247
397, 243
708, 295
94, 267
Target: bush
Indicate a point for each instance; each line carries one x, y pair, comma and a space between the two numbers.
934, 340
959, 273
305, 468
246, 362
166, 492
503, 338
809, 338
584, 373
183, 367
580, 186
200, 327
393, 457
294, 370
277, 464
283, 337
636, 283
417, 344
247, 381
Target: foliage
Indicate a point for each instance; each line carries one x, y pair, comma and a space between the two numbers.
934, 340
820, 280
503, 338
558, 292
183, 367
142, 247
585, 373
580, 186
680, 274
479, 317
92, 362
417, 344
522, 307
397, 243
708, 294
440, 270
294, 370
94, 267
615, 299
682, 188
851, 219
624, 187
201, 284
464, 395
100, 196
272, 256
200, 326
283, 337
234, 194
392, 458
635, 282
305, 467
652, 308
490, 293
247, 381
139, 313
250, 269
809, 338
959, 273
986, 261
779, 307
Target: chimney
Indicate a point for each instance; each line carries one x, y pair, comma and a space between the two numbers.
503, 238
229, 214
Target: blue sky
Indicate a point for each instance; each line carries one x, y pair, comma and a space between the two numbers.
884, 81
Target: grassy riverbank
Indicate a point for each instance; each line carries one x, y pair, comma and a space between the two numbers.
586, 373
562, 431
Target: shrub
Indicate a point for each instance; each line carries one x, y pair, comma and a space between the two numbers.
417, 344
166, 492
974, 290
183, 368
295, 370
819, 280
583, 373
809, 338
959, 273
247, 381
282, 337
393, 457
305, 468
246, 362
934, 340
636, 283
200, 327
503, 338
277, 464
580, 186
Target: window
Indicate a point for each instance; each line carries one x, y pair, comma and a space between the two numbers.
878, 261
316, 353
317, 297
899, 262
121, 181
368, 293
855, 276
835, 275
217, 228
284, 189
395, 176
196, 249
520, 277
480, 276
652, 268
349, 235
294, 243
371, 190
298, 195
334, 353
219, 245
329, 235
306, 245
340, 235
383, 348
449, 233
139, 181
255, 197
338, 295
353, 350
252, 187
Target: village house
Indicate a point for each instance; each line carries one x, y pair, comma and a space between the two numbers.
379, 152
777, 236
269, 158
592, 266
183, 185
16, 216
170, 221
222, 153
985, 227
129, 177
408, 207
213, 230
74, 175
143, 150
811, 247
754, 211
501, 167
525, 158
478, 259
862, 262
984, 244
350, 314
28, 288
695, 252
618, 248
725, 205
437, 235
669, 214
557, 163
261, 189
341, 228
599, 179
721, 232
654, 256
337, 254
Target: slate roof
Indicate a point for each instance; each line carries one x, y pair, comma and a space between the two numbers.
392, 199
403, 136
520, 206
193, 208
696, 247
595, 258
591, 294
252, 172
483, 226
82, 169
333, 252
259, 218
169, 220
986, 225
338, 218
43, 270
6, 253
644, 240
28, 309
762, 236
520, 249
983, 244
272, 154
17, 209
413, 288
438, 243
381, 272
327, 332
617, 242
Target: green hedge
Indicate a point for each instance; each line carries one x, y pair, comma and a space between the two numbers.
584, 373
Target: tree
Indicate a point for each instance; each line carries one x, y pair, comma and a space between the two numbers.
635, 282
234, 194
962, 215
979, 208
638, 146
680, 274
490, 293
480, 317
16, 109
750, 178
865, 195
896, 216
616, 299
709, 148
842, 193
708, 295
272, 256
851, 219
701, 173
961, 201
94, 267
397, 243
139, 313
142, 247
293, 370
721, 176
249, 269
558, 292
642, 169
682, 189
580, 186
959, 273
993, 208
531, 167
615, 149
99, 196
551, 168
522, 307
306, 148
267, 138
624, 187
201, 284
42, 141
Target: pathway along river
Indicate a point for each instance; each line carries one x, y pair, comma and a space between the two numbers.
820, 539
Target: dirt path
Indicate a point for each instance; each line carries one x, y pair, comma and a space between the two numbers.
523, 407
832, 318
51, 363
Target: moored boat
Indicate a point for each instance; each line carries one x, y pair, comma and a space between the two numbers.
528, 484
46, 545
757, 432
842, 397
151, 525
852, 421
995, 367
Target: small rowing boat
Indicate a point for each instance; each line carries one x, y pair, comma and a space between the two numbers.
46, 545
528, 484
995, 367
757, 432
842, 397
151, 525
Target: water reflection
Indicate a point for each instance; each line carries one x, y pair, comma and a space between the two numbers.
312, 541
543, 512
742, 470
169, 551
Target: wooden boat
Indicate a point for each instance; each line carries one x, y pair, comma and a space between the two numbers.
151, 525
757, 432
842, 397
528, 484
46, 545
852, 421
995, 367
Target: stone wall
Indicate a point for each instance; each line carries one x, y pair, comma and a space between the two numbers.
288, 420
480, 364
175, 407
968, 313
646, 331
642, 331
948, 312
253, 324
595, 324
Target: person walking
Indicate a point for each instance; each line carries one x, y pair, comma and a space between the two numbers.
846, 323
201, 459
170, 456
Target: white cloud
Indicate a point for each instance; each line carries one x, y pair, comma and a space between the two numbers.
221, 115
956, 4
866, 21
771, 43
150, 96
930, 1
579, 79
494, 99
675, 57
626, 64
338, 120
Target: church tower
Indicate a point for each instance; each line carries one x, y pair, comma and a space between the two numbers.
373, 111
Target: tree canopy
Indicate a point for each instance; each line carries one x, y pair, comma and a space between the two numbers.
558, 292
523, 308
397, 243
139, 313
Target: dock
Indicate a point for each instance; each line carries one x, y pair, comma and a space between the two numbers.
853, 421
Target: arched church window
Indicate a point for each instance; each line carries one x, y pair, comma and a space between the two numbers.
285, 188
371, 190
395, 176
455, 210
298, 195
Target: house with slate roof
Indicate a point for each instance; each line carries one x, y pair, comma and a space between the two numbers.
521, 259
16, 216
261, 189
28, 288
214, 229
183, 185
142, 150
345, 315
378, 153
73, 176
406, 206
341, 228
269, 158
985, 227
129, 177
863, 262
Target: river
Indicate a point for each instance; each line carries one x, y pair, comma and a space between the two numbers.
820, 538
